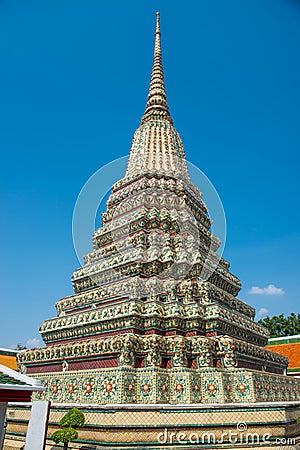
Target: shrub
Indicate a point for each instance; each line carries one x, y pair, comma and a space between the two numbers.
72, 420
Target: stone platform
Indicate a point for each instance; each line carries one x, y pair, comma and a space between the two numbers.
247, 425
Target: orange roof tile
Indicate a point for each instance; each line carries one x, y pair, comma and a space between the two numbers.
291, 351
9, 361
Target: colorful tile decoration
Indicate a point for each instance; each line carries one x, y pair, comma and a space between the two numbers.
155, 316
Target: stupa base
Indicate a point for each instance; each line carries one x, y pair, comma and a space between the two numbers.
170, 386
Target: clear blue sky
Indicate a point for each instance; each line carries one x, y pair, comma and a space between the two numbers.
74, 78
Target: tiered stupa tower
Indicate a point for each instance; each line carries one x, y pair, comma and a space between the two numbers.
155, 316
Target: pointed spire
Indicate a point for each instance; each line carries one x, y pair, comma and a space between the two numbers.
157, 105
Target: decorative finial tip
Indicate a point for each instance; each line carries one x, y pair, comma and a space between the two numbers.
157, 22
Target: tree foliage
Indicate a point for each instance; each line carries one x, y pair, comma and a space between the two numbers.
65, 435
72, 420
21, 347
282, 326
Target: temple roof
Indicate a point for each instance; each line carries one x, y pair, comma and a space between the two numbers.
8, 358
16, 387
10, 379
288, 346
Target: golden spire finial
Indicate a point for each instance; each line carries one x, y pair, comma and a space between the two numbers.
157, 105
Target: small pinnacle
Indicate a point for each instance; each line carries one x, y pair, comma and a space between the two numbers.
157, 105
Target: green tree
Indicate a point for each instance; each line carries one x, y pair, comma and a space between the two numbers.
72, 420
281, 325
